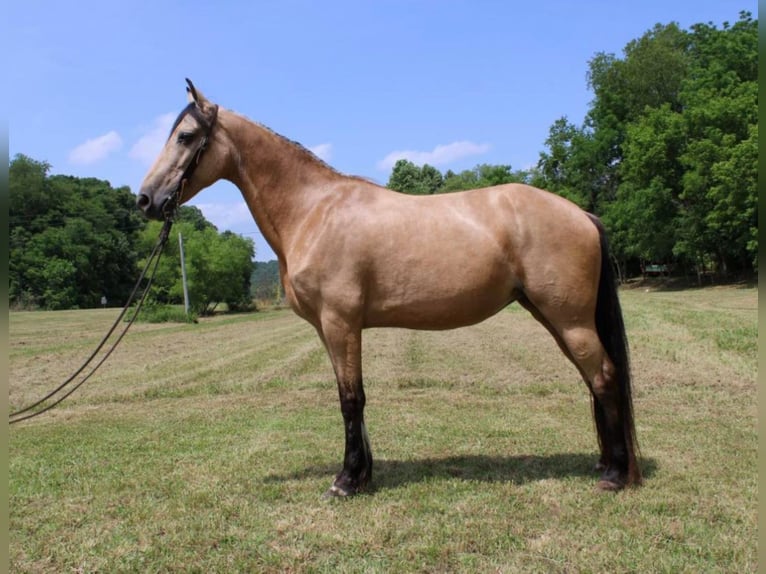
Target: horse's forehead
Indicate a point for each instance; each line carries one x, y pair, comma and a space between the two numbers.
186, 116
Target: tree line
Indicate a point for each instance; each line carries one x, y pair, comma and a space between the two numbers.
77, 241
666, 154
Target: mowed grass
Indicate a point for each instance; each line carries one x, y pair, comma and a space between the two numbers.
206, 448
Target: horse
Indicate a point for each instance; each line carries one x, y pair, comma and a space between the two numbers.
355, 255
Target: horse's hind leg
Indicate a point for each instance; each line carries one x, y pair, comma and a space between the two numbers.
582, 345
344, 346
601, 464
599, 373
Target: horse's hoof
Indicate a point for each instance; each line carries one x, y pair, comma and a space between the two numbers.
606, 485
336, 491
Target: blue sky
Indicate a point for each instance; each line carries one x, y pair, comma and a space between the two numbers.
92, 87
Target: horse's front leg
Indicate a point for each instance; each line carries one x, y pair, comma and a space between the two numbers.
344, 345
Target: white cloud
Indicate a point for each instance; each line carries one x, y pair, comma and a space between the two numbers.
96, 149
149, 145
227, 215
322, 151
440, 155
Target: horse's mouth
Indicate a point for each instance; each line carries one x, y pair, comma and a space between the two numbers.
158, 211
169, 206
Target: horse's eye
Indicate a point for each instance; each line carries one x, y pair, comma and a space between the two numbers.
185, 137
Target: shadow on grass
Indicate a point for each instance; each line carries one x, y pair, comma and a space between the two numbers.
517, 469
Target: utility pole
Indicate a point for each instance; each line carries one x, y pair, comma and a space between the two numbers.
183, 273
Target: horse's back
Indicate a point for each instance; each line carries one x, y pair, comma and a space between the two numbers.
455, 259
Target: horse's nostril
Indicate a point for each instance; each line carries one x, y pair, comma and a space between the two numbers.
143, 201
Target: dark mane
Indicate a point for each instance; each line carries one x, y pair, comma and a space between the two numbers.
300, 148
303, 150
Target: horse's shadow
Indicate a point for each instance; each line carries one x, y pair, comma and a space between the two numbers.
517, 469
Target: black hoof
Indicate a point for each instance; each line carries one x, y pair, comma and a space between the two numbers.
611, 480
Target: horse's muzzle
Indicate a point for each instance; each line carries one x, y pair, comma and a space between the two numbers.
154, 209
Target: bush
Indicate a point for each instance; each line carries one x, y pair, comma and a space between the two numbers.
158, 313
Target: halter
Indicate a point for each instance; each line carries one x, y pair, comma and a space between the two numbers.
173, 203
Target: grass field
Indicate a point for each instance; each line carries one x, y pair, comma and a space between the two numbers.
206, 448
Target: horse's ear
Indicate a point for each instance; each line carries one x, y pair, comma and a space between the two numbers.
194, 95
191, 91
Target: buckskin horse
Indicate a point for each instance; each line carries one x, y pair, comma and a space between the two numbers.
355, 255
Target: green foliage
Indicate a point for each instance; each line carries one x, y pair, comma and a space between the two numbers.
719, 191
72, 240
58, 276
157, 313
194, 216
265, 283
75, 240
406, 177
576, 164
667, 153
483, 175
218, 265
651, 74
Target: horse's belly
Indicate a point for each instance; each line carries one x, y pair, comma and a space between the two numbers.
437, 318
439, 302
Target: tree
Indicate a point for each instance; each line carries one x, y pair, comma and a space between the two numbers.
265, 282
645, 210
219, 266
666, 153
575, 166
719, 186
29, 192
29, 200
431, 179
193, 215
72, 239
482, 175
406, 177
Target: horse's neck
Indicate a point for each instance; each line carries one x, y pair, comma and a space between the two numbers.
280, 181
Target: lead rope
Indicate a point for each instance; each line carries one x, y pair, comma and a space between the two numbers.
154, 258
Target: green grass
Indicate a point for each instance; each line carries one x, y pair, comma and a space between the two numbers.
157, 313
206, 448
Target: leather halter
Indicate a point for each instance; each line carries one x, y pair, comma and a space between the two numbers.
174, 202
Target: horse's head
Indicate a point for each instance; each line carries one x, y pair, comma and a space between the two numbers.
189, 161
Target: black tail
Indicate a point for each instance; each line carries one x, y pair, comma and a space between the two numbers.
611, 331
